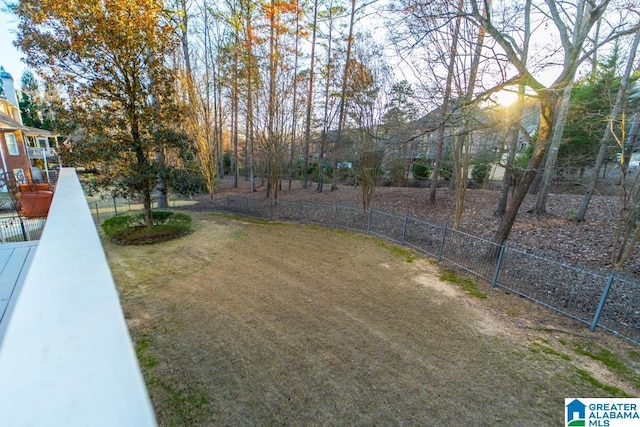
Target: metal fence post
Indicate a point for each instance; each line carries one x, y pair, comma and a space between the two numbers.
444, 236
498, 265
605, 294
369, 220
228, 203
97, 213
115, 206
246, 205
335, 215
271, 210
301, 211
404, 228
25, 235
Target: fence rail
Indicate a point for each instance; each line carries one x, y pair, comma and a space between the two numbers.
592, 297
19, 229
103, 208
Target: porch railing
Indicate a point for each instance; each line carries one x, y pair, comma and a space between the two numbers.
38, 152
66, 357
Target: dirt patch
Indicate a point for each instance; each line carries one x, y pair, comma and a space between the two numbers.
248, 323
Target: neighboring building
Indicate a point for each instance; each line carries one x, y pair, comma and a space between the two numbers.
418, 140
21, 147
42, 149
14, 160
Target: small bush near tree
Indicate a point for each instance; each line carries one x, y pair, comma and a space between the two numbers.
421, 170
446, 170
116, 224
185, 182
398, 174
479, 171
130, 230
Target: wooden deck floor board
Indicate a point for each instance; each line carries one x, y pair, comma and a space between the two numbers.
15, 260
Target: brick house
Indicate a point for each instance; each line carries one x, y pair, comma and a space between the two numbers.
14, 159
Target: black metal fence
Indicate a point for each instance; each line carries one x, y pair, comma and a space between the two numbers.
596, 298
107, 207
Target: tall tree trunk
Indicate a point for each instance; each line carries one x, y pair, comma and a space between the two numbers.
512, 144
294, 107
198, 108
462, 151
159, 160
326, 125
307, 124
617, 108
516, 120
323, 144
142, 163
445, 107
343, 99
548, 96
249, 39
552, 154
208, 158
548, 101
235, 161
273, 140
161, 188
219, 138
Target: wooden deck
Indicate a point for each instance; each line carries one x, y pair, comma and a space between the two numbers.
15, 259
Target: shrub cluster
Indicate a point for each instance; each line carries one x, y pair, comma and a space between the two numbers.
131, 230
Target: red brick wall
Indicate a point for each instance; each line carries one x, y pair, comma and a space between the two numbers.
20, 161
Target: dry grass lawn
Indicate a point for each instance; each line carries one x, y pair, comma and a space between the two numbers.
250, 323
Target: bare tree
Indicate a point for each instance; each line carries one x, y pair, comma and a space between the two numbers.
455, 35
577, 20
511, 143
364, 81
329, 72
308, 118
462, 143
616, 111
199, 112
294, 106
627, 230
343, 97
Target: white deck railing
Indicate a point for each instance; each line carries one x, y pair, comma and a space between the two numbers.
67, 358
39, 153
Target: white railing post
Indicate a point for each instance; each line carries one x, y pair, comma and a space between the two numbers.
66, 357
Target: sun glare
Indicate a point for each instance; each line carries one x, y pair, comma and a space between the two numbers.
505, 97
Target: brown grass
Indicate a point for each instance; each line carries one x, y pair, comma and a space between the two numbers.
248, 323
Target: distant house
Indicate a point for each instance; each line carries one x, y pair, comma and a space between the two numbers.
418, 140
348, 140
21, 147
42, 148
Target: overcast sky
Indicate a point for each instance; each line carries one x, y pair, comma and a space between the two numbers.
9, 55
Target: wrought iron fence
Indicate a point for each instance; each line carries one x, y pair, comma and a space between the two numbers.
607, 300
107, 207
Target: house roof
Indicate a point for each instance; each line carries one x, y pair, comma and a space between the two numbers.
31, 131
9, 123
